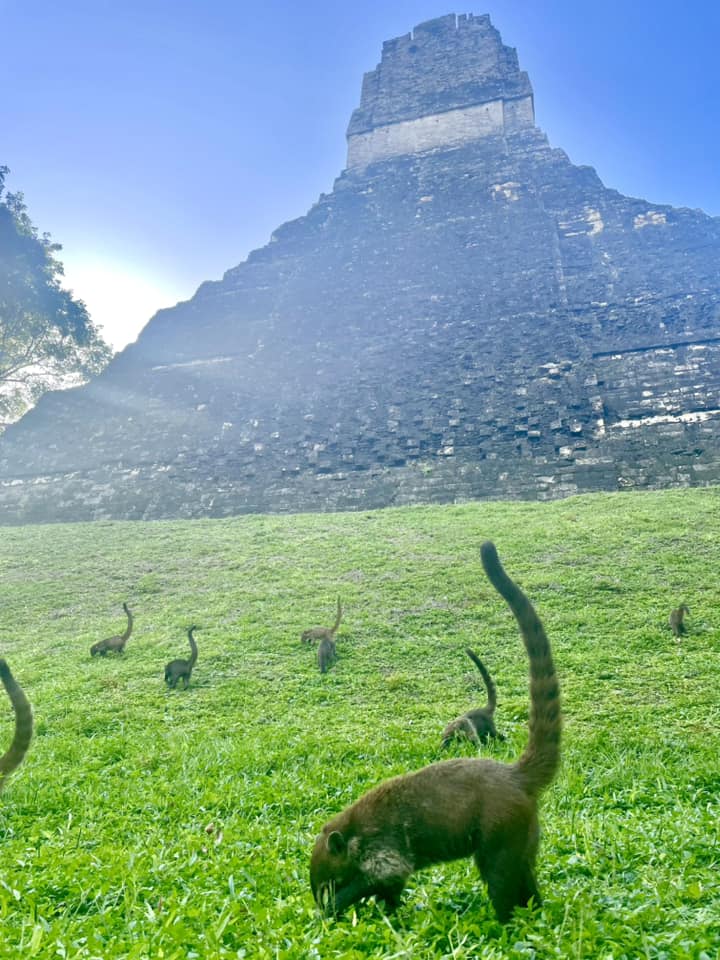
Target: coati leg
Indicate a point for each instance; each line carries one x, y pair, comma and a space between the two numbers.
509, 871
392, 894
511, 883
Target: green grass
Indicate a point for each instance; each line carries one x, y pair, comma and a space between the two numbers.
148, 823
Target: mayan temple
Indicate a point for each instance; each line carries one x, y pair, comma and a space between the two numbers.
466, 314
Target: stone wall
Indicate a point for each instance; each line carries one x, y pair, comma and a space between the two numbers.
439, 130
443, 65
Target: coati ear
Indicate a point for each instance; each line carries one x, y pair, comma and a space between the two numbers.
336, 843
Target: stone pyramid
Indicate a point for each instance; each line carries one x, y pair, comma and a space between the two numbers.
466, 315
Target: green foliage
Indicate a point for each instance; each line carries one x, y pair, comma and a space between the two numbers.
149, 823
47, 338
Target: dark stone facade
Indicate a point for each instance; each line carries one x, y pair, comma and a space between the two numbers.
444, 64
481, 320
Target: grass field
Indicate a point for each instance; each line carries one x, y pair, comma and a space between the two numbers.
148, 823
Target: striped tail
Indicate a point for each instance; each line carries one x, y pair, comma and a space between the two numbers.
128, 629
338, 618
23, 724
489, 685
193, 647
539, 763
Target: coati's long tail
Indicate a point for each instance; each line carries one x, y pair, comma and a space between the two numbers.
489, 685
23, 724
193, 647
128, 629
538, 764
338, 618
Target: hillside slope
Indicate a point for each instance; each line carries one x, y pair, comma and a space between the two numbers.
148, 823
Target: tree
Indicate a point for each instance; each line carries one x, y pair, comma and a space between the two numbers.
47, 339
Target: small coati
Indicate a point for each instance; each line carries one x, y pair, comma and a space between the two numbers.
323, 633
327, 654
182, 668
117, 643
477, 725
676, 620
455, 808
23, 724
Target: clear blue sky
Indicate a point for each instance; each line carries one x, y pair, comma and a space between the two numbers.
161, 140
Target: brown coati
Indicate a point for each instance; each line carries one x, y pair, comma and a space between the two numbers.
115, 644
477, 725
455, 808
327, 654
23, 724
676, 620
182, 668
323, 633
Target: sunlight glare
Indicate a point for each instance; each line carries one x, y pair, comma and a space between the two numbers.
119, 297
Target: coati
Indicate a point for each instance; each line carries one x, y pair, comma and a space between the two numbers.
327, 654
182, 668
116, 644
676, 620
323, 633
477, 725
23, 724
455, 808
